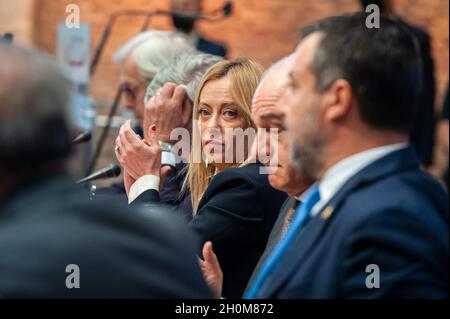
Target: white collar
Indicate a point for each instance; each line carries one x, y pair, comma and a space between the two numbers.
337, 175
301, 197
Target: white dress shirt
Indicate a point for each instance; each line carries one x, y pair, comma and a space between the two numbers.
142, 184
147, 182
337, 175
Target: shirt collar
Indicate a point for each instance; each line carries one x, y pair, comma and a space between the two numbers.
301, 197
336, 176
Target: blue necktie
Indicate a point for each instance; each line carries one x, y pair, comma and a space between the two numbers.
301, 217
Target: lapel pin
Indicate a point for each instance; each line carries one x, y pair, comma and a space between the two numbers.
327, 212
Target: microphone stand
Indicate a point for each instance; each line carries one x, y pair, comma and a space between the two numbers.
112, 20
215, 15
105, 131
218, 14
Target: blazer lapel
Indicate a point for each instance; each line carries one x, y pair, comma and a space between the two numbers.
301, 246
296, 252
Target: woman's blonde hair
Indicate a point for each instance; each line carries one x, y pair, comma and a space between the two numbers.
244, 76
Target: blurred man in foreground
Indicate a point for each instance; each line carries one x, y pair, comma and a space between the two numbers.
54, 242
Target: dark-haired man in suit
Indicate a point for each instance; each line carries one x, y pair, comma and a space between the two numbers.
374, 225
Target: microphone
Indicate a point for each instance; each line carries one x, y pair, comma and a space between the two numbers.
81, 138
110, 171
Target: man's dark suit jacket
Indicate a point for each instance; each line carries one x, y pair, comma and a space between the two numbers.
275, 236
236, 212
210, 47
391, 214
120, 253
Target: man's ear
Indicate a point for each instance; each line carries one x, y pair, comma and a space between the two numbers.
338, 100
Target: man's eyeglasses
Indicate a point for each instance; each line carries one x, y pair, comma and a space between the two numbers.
130, 92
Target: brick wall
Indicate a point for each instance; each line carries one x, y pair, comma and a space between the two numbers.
263, 29
17, 17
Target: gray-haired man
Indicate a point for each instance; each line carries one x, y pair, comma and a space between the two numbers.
140, 59
169, 101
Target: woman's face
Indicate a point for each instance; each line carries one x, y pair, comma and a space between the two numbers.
218, 115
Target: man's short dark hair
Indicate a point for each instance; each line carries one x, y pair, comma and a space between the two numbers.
34, 115
382, 65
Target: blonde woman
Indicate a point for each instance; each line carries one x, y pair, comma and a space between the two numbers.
234, 205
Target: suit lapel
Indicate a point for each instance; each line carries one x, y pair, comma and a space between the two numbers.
392, 163
296, 252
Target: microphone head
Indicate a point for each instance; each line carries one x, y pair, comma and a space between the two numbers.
81, 138
110, 171
227, 9
113, 170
